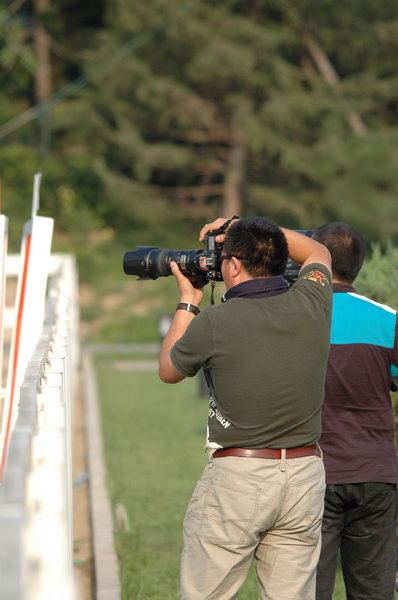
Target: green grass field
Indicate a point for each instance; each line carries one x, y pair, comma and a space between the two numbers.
153, 435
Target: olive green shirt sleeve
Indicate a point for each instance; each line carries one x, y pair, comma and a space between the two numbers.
193, 349
315, 283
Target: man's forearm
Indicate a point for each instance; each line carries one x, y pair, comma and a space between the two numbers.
182, 318
167, 371
179, 324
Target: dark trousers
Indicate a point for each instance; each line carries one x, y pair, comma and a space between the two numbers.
360, 521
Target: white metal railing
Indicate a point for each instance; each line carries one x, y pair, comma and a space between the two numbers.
36, 547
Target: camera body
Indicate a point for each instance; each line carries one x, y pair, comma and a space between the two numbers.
200, 266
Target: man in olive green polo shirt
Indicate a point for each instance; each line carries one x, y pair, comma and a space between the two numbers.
266, 348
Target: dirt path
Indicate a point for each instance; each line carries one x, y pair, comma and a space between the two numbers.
83, 553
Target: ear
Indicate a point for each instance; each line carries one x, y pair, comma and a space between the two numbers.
237, 267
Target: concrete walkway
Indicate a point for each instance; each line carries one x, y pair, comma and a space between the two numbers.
106, 568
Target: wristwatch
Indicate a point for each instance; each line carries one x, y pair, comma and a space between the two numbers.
189, 307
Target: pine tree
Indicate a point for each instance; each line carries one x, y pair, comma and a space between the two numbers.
199, 108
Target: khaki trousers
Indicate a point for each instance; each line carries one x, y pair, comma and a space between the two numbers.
249, 508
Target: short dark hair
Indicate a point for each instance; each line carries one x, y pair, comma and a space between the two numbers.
261, 242
347, 248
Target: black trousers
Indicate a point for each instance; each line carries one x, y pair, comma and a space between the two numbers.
360, 521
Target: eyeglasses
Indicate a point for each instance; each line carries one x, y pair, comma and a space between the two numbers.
229, 256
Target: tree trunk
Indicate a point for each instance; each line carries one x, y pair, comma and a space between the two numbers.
232, 203
43, 78
330, 76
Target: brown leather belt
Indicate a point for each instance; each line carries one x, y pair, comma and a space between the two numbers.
268, 452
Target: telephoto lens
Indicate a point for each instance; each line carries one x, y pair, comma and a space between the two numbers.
149, 262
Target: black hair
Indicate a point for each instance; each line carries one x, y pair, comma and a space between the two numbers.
261, 242
347, 248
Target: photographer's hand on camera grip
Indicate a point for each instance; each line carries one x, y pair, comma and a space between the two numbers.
220, 223
188, 293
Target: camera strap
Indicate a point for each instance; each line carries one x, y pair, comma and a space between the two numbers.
212, 287
227, 223
206, 369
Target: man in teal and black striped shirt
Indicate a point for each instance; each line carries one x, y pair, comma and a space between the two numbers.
358, 432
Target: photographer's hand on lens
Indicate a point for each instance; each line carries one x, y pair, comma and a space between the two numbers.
188, 293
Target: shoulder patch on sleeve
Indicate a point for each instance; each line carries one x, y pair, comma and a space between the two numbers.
316, 276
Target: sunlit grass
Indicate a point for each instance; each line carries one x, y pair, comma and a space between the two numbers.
153, 435
339, 589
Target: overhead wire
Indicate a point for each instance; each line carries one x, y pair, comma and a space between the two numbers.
73, 86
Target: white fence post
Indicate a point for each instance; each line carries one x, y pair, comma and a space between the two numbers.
29, 313
36, 553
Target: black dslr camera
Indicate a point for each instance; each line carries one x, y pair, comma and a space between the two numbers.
200, 266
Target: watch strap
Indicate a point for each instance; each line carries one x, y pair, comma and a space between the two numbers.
189, 307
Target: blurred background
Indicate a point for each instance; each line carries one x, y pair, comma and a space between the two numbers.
148, 119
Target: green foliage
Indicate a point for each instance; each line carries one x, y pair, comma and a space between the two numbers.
17, 59
169, 90
71, 192
203, 92
17, 164
377, 277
